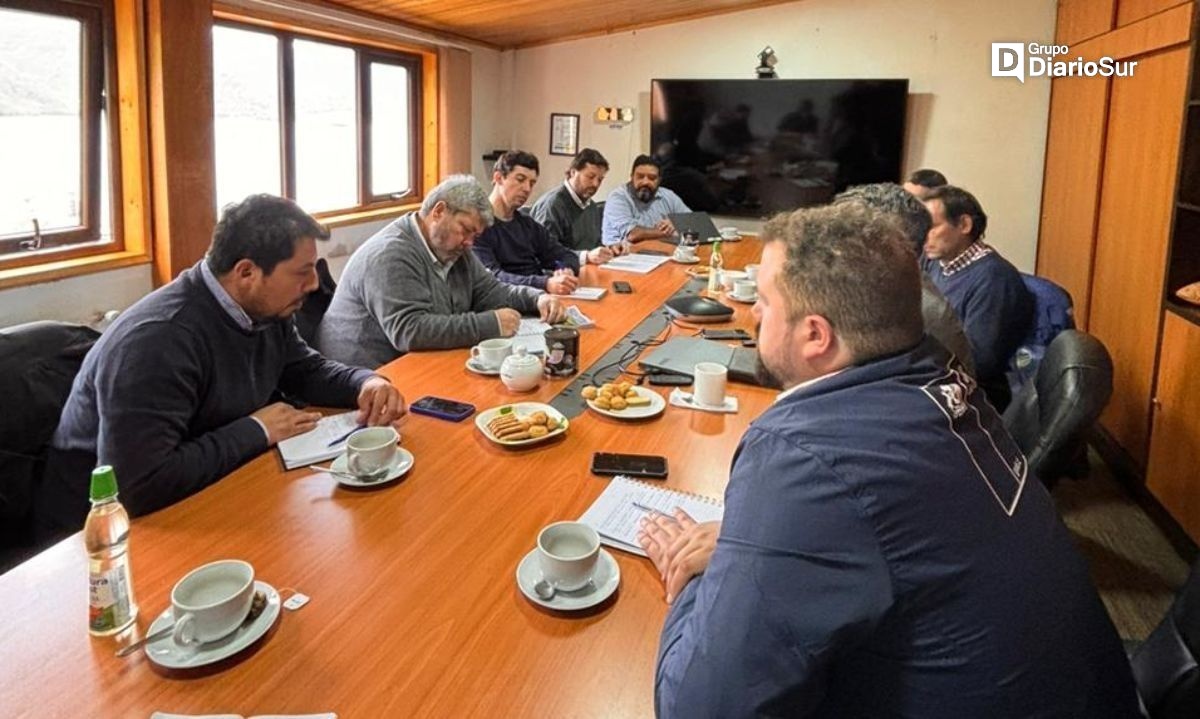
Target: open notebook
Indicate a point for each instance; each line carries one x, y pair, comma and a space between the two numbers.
326, 441
615, 516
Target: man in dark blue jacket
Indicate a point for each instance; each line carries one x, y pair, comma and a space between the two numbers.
884, 550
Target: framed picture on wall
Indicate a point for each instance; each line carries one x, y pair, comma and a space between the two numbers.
564, 134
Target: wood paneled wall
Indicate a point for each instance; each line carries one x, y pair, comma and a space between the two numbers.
1175, 449
454, 110
1109, 188
1136, 199
179, 52
1071, 194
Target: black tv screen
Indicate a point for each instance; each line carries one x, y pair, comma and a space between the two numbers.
752, 148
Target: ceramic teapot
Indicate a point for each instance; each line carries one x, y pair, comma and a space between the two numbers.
521, 371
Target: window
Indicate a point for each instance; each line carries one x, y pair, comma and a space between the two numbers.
56, 148
332, 125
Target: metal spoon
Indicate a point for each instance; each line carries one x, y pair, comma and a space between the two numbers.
364, 478
546, 591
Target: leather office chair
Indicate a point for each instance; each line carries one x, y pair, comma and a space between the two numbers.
1165, 665
1050, 416
316, 303
1053, 312
38, 364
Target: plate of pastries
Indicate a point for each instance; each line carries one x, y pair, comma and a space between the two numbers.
521, 423
624, 400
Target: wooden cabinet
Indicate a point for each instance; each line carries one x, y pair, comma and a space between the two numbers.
1136, 202
1174, 468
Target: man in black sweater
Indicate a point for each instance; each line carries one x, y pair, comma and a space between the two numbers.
181, 389
568, 212
515, 248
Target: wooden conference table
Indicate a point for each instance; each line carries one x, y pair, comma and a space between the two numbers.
415, 610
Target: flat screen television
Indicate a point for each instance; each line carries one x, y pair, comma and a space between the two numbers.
751, 148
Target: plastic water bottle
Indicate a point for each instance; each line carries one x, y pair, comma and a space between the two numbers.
111, 607
715, 263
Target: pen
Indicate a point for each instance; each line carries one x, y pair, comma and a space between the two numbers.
644, 508
346, 436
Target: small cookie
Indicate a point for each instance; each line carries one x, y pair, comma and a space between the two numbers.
538, 430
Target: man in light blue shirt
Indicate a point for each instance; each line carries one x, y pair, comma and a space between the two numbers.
639, 209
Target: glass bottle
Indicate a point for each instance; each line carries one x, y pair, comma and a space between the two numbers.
111, 607
715, 263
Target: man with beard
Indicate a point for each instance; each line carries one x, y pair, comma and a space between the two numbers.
178, 391
639, 209
884, 551
568, 213
516, 249
416, 285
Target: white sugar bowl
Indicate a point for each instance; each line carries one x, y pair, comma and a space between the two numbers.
521, 371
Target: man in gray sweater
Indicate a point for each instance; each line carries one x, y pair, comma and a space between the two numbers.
416, 285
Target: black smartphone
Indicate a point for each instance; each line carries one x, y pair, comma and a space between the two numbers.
442, 408
735, 334
633, 465
622, 288
670, 379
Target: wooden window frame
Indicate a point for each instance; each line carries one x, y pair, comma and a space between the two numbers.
98, 86
365, 54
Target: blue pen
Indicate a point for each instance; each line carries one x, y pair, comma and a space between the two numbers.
346, 436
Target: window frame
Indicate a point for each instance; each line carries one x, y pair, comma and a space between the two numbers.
98, 87
365, 54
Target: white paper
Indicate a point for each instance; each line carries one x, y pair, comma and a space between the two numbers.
616, 519
587, 293
638, 264
529, 335
314, 446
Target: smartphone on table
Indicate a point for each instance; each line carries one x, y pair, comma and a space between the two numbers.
633, 465
442, 408
621, 287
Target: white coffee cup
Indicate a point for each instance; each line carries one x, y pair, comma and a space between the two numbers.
708, 387
751, 272
371, 450
567, 553
745, 289
729, 233
686, 253
212, 601
490, 353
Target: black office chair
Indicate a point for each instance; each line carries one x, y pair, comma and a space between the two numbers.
1165, 665
316, 303
38, 364
1051, 415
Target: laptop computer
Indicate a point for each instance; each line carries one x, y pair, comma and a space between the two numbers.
698, 222
679, 355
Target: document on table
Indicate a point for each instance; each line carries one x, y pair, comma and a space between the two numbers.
529, 335
326, 441
615, 515
638, 264
587, 293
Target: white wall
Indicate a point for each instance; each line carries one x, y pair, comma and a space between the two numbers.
76, 299
985, 134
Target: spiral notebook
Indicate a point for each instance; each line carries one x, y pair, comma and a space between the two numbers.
615, 515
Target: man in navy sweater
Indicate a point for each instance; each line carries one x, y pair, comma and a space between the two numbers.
515, 247
180, 390
984, 289
884, 551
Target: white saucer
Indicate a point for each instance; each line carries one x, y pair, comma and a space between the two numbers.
480, 369
400, 466
606, 579
693, 261
656, 406
166, 653
743, 300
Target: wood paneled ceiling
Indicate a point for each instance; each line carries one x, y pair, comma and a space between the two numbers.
520, 23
